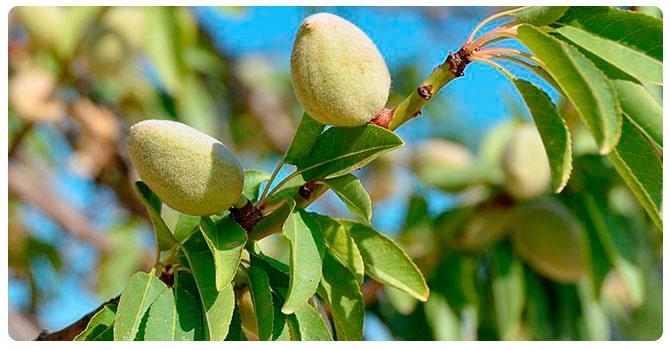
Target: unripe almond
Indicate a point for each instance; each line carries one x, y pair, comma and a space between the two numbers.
525, 164
338, 75
443, 164
547, 237
189, 170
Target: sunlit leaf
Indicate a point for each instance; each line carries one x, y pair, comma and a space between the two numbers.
140, 291
540, 15
305, 137
553, 130
584, 85
633, 45
307, 324
101, 325
386, 262
225, 239
340, 150
340, 244
253, 178
640, 166
307, 247
350, 190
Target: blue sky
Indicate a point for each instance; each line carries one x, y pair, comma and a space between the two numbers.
481, 99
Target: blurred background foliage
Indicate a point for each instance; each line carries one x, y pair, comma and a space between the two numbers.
80, 76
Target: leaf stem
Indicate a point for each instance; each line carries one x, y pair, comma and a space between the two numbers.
281, 163
489, 20
493, 64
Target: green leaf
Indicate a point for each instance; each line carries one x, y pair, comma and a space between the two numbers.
259, 286
339, 288
641, 168
350, 190
253, 179
280, 329
305, 137
217, 305
140, 291
306, 243
175, 314
235, 333
101, 325
443, 321
508, 292
273, 222
307, 324
162, 48
225, 240
340, 150
641, 108
186, 224
553, 130
386, 262
402, 302
340, 244
164, 238
584, 85
540, 15
631, 41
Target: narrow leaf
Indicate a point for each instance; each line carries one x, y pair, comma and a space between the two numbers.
101, 325
140, 291
352, 193
339, 150
235, 332
340, 244
540, 15
305, 137
631, 41
583, 84
641, 168
225, 240
259, 286
339, 288
306, 243
253, 179
386, 262
217, 305
641, 108
164, 237
307, 324
553, 130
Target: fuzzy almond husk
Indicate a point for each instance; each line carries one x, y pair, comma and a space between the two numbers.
189, 170
338, 75
549, 239
525, 164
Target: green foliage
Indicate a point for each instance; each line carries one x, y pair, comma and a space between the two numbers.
492, 266
583, 84
138, 295
101, 325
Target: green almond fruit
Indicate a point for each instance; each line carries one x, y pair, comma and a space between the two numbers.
189, 170
338, 75
446, 165
550, 240
525, 164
